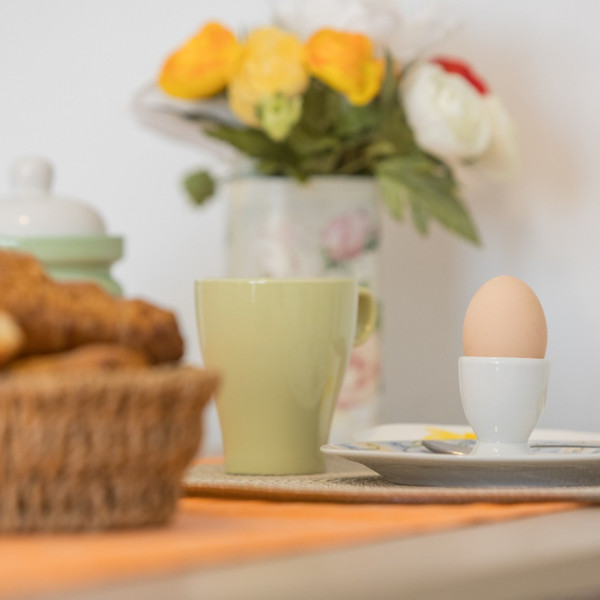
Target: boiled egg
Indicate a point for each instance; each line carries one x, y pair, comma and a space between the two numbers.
505, 319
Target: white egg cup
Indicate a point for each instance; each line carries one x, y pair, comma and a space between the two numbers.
503, 399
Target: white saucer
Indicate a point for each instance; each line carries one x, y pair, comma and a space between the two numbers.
416, 431
408, 462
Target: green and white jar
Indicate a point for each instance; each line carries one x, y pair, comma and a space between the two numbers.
67, 236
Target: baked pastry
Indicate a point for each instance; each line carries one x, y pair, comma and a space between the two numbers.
101, 357
58, 316
11, 337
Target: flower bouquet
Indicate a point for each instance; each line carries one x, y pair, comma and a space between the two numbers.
302, 99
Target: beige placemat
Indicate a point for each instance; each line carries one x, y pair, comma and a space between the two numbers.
352, 483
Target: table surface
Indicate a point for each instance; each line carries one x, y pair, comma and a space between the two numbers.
555, 556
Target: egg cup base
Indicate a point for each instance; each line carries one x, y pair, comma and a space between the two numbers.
503, 399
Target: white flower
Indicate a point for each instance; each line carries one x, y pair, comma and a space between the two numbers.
501, 158
404, 36
448, 116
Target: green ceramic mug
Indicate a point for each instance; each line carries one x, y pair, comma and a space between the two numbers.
282, 346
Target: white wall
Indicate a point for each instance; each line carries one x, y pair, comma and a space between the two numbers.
68, 72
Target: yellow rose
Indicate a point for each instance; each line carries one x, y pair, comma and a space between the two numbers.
272, 63
203, 66
345, 62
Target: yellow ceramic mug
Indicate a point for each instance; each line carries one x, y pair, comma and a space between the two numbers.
282, 346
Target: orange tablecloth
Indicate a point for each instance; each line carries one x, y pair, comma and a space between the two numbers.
207, 532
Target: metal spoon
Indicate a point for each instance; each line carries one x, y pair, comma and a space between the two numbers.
443, 447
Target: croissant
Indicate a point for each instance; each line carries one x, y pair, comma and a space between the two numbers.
57, 316
91, 357
11, 337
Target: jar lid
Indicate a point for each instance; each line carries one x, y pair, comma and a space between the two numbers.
32, 210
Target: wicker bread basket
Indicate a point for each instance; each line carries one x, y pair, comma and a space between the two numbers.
97, 450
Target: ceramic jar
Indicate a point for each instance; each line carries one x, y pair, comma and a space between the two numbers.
67, 236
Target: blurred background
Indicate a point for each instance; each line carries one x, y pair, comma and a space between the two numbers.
70, 69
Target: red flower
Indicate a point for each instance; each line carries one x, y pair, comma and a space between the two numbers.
453, 65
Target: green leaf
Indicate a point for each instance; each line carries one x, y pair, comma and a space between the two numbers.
418, 215
269, 167
394, 129
393, 126
304, 143
429, 188
380, 149
395, 196
319, 109
253, 142
320, 164
200, 186
354, 163
388, 95
354, 120
337, 156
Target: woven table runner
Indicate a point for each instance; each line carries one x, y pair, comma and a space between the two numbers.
349, 482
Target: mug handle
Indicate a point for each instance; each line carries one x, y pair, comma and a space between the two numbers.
366, 315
